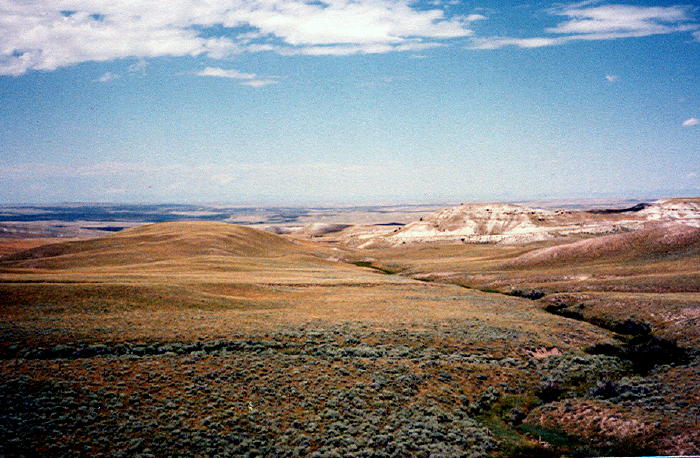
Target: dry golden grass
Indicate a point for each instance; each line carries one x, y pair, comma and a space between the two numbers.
220, 278
651, 277
191, 281
674, 316
14, 245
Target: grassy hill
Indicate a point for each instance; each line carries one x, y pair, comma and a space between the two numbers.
157, 242
653, 242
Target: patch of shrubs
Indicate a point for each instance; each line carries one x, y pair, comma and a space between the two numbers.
532, 294
565, 375
316, 392
336, 396
644, 352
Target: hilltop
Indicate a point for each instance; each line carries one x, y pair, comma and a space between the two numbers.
158, 242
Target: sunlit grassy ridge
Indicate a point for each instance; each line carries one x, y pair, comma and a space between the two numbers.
157, 242
628, 272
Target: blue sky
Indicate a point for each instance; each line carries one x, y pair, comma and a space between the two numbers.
339, 101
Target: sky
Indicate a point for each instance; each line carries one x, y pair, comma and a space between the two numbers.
347, 101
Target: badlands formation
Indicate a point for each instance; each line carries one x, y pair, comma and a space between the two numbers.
513, 224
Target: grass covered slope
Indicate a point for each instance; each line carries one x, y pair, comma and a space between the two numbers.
156, 242
652, 274
151, 280
660, 240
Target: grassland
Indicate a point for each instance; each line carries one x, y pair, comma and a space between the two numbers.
649, 297
212, 339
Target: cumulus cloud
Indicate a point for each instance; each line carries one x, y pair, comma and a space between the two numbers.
500, 42
691, 122
48, 34
621, 19
475, 17
605, 22
106, 77
350, 49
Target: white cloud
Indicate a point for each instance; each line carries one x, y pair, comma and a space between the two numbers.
259, 83
106, 77
139, 66
606, 22
249, 79
444, 2
691, 122
621, 19
223, 73
475, 17
48, 34
346, 49
499, 42
612, 78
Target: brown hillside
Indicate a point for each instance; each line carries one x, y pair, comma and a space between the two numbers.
157, 242
653, 240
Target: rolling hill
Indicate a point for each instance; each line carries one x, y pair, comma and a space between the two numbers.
158, 242
656, 240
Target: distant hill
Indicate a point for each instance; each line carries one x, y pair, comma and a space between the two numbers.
157, 242
505, 223
656, 239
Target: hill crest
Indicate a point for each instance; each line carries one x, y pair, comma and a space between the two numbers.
157, 242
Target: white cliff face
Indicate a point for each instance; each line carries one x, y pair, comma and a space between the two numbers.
476, 223
685, 210
503, 223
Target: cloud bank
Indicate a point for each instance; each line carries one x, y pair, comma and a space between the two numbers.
49, 34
